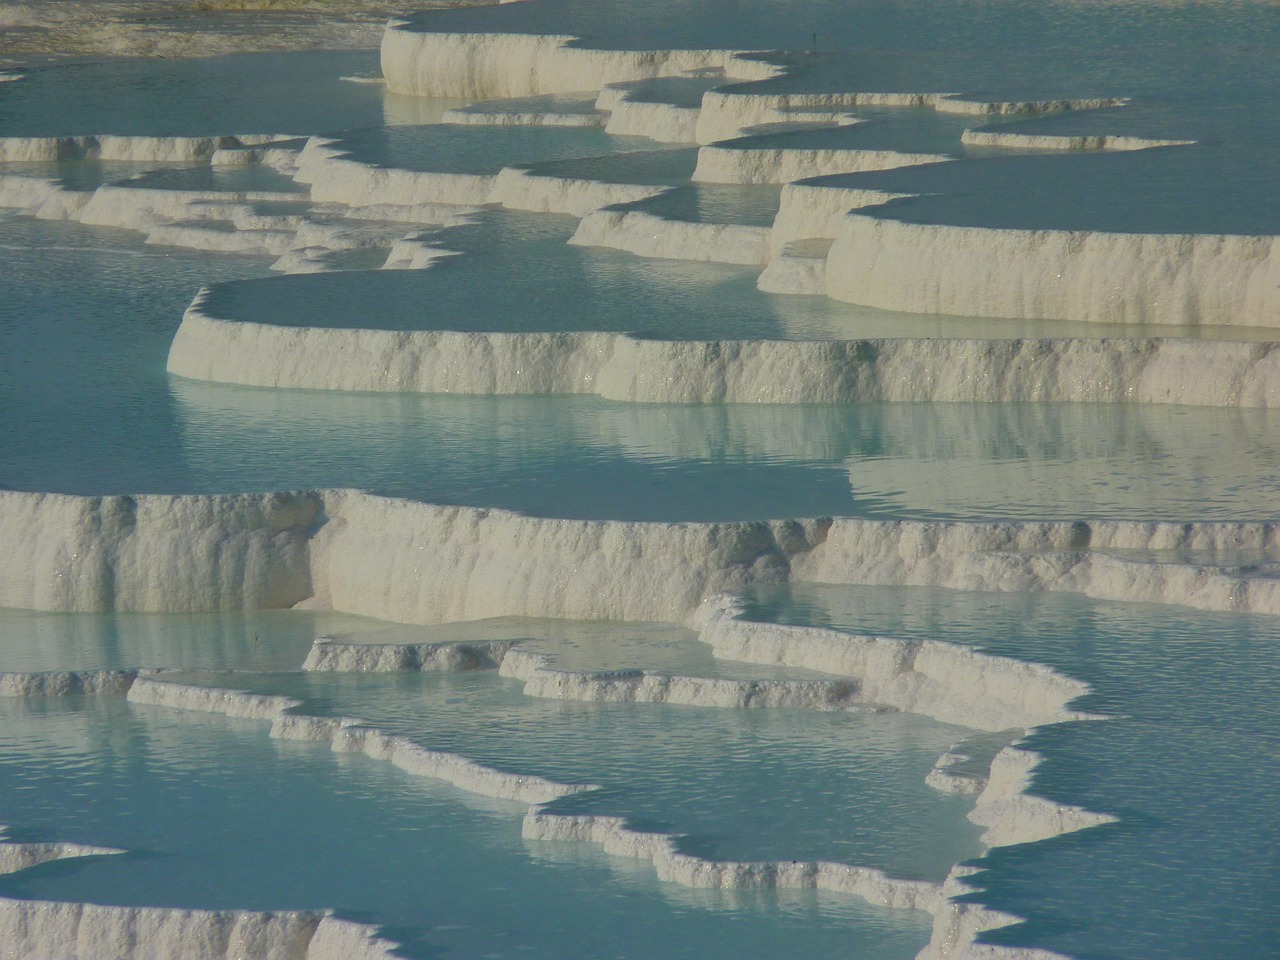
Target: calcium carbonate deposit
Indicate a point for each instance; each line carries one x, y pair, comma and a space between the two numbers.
570, 478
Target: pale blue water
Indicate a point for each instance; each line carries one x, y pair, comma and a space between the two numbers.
549, 286
784, 784
1189, 763
444, 148
558, 456
198, 97
216, 815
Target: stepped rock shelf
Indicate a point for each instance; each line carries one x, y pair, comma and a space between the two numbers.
576, 244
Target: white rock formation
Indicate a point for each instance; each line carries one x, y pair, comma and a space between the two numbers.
1012, 814
664, 122
809, 210
44, 930
728, 113
1191, 279
1028, 141
503, 66
336, 178
611, 834
415, 563
16, 856
800, 267
1085, 558
643, 686
60, 683
945, 681
156, 553
331, 656
647, 235
136, 148
520, 189
741, 164
350, 735
957, 925
238, 704
618, 367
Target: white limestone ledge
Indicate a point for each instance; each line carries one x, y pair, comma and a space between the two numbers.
1184, 279
61, 683
1028, 141
1012, 814
349, 735
957, 926
334, 177
648, 235
331, 656
612, 835
663, 122
730, 112
808, 210
15, 856
46, 930
1106, 560
643, 686
155, 553
413, 562
1220, 373
948, 682
489, 66
744, 164
134, 148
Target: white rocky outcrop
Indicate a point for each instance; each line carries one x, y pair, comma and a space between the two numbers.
644, 686
334, 177
237, 704
1012, 814
134, 148
612, 834
948, 682
618, 367
43, 197
730, 112
1031, 141
1103, 559
333, 656
518, 188
414, 563
799, 268
61, 683
647, 235
350, 735
488, 66
45, 930
744, 164
811, 210
957, 926
15, 856
157, 553
1183, 279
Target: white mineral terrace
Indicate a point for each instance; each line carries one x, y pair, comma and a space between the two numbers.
418, 563
412, 562
41, 930
615, 366
1003, 805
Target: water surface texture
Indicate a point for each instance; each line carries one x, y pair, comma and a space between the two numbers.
102, 255
1184, 764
